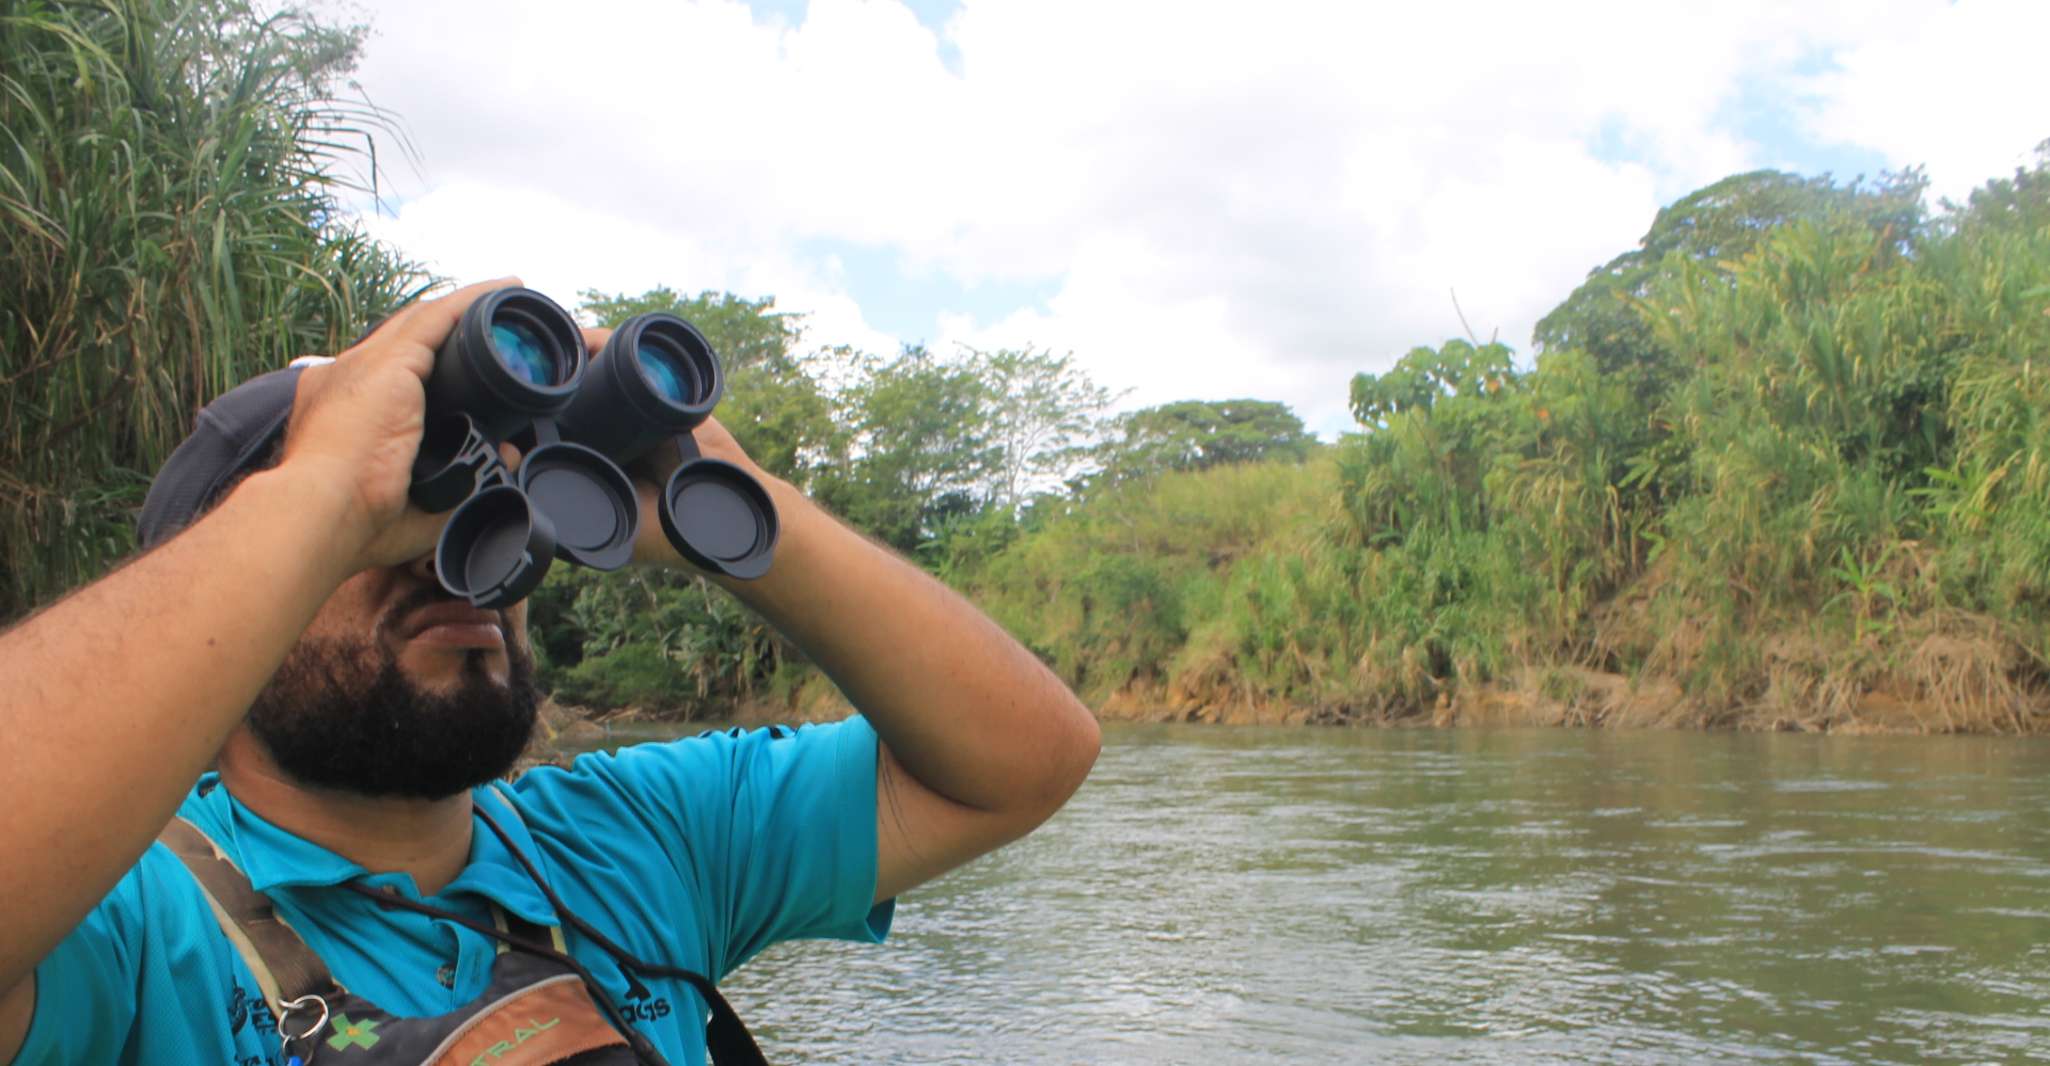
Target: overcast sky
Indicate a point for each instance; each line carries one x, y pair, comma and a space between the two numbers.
1200, 200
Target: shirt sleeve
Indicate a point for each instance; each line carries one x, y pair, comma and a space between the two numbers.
775, 826
86, 987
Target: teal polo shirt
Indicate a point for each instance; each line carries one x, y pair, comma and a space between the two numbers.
695, 853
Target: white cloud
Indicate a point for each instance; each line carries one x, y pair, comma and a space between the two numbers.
1957, 87
1226, 199
468, 229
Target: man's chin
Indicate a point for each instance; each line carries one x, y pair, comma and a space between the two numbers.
421, 724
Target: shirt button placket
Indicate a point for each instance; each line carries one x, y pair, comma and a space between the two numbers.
473, 960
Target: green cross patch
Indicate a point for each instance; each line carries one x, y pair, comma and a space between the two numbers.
347, 1033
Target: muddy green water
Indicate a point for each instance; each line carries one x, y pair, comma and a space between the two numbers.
1316, 896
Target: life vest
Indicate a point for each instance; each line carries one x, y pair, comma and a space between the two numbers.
540, 1008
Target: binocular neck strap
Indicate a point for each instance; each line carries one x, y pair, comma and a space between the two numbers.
726, 1036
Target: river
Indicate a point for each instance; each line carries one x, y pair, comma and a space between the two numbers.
1321, 896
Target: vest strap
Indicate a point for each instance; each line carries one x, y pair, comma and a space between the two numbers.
285, 968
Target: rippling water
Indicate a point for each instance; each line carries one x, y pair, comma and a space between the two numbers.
1317, 896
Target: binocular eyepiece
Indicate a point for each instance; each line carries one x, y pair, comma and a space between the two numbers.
514, 371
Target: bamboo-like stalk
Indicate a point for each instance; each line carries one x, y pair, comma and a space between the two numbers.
167, 229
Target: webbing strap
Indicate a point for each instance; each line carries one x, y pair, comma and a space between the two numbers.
285, 967
519, 929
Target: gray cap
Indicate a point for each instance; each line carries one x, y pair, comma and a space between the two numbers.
233, 436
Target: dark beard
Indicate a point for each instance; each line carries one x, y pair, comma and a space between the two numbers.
343, 716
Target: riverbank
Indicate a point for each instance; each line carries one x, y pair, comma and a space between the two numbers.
1950, 687
1592, 699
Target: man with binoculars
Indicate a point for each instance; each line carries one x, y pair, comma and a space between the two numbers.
350, 884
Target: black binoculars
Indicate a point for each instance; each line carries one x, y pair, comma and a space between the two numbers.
514, 371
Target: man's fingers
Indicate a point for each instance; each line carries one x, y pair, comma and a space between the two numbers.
414, 535
431, 320
428, 322
594, 339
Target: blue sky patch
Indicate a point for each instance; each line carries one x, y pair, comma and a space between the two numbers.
1767, 112
907, 303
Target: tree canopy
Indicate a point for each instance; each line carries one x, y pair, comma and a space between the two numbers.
1713, 226
1199, 434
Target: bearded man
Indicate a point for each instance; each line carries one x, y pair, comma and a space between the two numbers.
350, 880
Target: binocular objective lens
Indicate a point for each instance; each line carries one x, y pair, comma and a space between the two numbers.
524, 352
668, 373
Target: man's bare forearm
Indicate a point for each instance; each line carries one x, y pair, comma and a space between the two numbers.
961, 705
114, 699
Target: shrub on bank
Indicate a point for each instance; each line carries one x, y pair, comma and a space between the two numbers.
1811, 488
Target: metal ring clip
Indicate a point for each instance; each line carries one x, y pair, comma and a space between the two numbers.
286, 1008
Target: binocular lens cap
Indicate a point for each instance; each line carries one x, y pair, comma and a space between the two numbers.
587, 499
719, 518
495, 549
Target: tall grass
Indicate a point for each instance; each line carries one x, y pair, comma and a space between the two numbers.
167, 229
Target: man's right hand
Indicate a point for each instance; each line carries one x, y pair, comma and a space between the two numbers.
356, 424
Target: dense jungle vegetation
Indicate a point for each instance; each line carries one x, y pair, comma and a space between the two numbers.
1785, 463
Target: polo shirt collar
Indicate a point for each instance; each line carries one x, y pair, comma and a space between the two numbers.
274, 858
